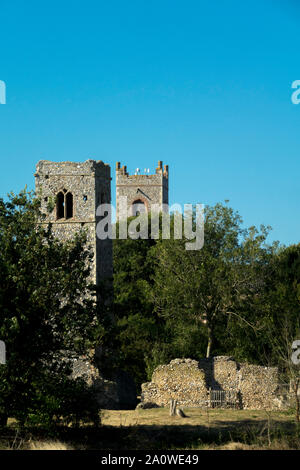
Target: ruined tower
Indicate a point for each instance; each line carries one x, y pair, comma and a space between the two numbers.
76, 190
143, 191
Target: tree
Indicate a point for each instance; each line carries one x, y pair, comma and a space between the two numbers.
136, 326
47, 308
283, 326
281, 340
218, 285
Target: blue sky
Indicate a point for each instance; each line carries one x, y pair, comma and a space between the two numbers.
203, 86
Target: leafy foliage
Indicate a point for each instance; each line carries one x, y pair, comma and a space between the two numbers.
217, 286
171, 302
46, 309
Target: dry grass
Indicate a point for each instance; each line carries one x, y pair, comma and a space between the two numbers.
47, 445
195, 417
276, 445
214, 429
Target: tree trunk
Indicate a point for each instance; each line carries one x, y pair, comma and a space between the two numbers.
173, 404
210, 341
296, 386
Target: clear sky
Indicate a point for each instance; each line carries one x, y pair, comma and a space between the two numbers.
204, 86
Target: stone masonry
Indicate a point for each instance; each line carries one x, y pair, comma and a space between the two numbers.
76, 190
189, 381
142, 191
118, 393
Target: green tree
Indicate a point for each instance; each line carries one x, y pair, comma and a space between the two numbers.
216, 287
47, 308
282, 300
285, 294
136, 325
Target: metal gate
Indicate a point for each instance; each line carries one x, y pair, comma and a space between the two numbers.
222, 399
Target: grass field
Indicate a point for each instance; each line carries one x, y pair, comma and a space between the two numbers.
154, 429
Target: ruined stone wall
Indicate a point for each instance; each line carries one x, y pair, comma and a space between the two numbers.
150, 189
182, 380
117, 393
189, 381
258, 386
89, 183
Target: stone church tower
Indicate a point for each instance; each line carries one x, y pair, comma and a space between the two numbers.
76, 190
141, 190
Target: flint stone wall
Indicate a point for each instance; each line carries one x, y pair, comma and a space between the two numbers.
189, 381
89, 183
119, 393
151, 189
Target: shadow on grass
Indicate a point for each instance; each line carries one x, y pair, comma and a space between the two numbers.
156, 437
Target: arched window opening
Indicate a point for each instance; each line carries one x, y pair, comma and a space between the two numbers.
138, 207
60, 206
69, 205
64, 205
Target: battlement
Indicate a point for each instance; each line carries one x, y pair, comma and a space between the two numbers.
143, 191
160, 170
121, 170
